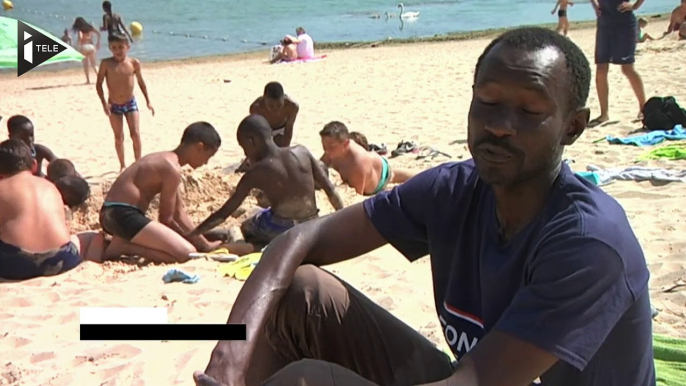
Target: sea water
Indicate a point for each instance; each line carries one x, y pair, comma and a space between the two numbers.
175, 29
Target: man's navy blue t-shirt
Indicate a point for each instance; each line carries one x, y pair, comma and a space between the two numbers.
574, 282
611, 16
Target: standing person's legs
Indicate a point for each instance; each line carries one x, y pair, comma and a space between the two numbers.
603, 57
626, 57
322, 317
117, 123
565, 26
132, 119
84, 61
92, 59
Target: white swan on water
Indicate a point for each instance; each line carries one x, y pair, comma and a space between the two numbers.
407, 15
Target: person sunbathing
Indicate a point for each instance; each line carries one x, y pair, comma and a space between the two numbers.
34, 236
286, 175
287, 52
21, 128
365, 171
123, 213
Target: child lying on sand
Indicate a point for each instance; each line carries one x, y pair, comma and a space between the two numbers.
365, 171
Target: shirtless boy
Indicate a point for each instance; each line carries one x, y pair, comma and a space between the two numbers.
562, 21
365, 171
34, 236
21, 128
280, 112
120, 71
123, 212
286, 175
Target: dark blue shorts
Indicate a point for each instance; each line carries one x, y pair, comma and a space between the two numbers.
17, 264
616, 44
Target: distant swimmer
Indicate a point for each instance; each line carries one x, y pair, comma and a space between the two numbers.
365, 171
120, 72
562, 21
286, 175
112, 22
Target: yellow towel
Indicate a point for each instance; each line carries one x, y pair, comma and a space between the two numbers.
241, 268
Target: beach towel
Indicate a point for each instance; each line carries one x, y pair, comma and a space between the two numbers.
652, 138
241, 268
307, 60
670, 360
636, 173
670, 152
177, 275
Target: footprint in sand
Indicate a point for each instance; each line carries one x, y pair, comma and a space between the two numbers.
17, 341
19, 302
42, 357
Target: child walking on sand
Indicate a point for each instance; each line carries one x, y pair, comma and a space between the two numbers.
562, 21
120, 71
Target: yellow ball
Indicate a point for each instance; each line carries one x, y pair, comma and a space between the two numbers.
7, 5
136, 28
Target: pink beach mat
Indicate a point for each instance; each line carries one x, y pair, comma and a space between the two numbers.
308, 60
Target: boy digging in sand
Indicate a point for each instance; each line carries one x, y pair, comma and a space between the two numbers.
286, 175
123, 213
562, 21
365, 171
120, 71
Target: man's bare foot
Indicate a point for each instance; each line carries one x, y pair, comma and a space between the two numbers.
598, 121
202, 379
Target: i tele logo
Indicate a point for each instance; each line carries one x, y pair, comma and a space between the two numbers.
34, 48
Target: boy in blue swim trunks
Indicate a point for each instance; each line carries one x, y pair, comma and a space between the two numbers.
34, 236
120, 72
286, 175
365, 171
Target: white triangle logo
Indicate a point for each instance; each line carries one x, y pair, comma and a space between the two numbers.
26, 35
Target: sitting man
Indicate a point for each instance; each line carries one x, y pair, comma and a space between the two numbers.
21, 128
34, 236
365, 171
285, 175
677, 20
280, 112
304, 42
123, 212
536, 272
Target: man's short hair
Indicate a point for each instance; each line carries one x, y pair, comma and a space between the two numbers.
15, 157
336, 130
201, 132
536, 38
107, 6
17, 122
300, 30
117, 37
59, 168
73, 189
274, 90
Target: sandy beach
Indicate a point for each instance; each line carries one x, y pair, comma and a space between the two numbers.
418, 92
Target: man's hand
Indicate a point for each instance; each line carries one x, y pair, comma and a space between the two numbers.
151, 109
626, 7
107, 108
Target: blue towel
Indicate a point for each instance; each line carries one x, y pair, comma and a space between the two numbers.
652, 138
593, 177
176, 275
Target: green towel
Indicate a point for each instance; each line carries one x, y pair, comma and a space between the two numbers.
671, 152
670, 360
